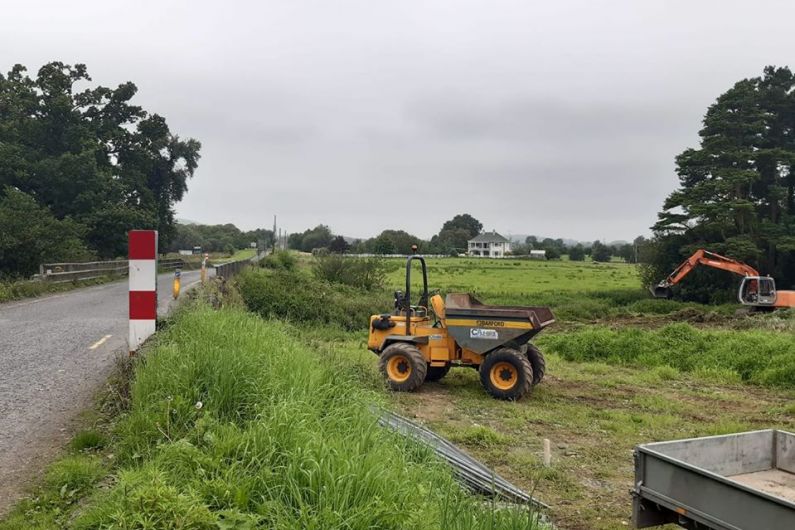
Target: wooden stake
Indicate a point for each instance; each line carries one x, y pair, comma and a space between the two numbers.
547, 452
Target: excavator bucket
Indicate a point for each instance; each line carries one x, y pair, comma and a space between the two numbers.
660, 291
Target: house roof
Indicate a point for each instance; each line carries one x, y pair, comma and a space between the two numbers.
489, 237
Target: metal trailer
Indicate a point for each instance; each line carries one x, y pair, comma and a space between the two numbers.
743, 481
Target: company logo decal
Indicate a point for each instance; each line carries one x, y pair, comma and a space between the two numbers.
480, 333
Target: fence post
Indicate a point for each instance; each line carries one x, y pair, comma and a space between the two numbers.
143, 286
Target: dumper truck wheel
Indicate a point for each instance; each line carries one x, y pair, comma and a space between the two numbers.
403, 366
506, 374
436, 373
538, 363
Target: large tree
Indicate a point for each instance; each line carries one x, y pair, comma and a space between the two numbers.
737, 190
455, 234
89, 154
31, 235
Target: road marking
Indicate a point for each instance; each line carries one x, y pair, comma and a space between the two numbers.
100, 342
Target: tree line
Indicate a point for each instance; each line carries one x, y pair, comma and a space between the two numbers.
79, 167
217, 238
453, 238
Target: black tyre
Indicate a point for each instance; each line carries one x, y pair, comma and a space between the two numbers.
506, 374
538, 363
403, 366
435, 373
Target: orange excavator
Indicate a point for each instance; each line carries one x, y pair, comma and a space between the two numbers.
755, 290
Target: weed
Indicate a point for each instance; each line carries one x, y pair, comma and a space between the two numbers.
88, 440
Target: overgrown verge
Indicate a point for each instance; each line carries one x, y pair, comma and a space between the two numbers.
755, 356
301, 298
236, 424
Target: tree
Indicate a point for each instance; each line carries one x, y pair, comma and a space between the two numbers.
317, 237
625, 252
394, 242
383, 245
600, 252
451, 240
339, 245
90, 155
577, 253
531, 241
31, 235
465, 222
736, 192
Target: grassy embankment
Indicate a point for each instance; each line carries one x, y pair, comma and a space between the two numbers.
619, 373
233, 423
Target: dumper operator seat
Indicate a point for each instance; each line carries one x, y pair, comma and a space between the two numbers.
437, 302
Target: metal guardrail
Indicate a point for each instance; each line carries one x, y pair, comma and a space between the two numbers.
89, 270
171, 264
67, 272
229, 269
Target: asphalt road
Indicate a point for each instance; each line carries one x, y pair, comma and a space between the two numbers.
56, 352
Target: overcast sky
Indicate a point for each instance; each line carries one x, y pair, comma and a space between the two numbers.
556, 118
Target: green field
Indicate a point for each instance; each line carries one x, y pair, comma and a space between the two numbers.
509, 278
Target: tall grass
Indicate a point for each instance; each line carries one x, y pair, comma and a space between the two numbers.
753, 356
301, 298
236, 424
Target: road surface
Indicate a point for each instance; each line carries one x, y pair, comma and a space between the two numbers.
56, 352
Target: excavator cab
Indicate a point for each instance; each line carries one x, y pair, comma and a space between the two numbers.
758, 291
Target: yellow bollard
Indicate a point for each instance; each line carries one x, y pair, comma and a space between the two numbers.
203, 273
176, 287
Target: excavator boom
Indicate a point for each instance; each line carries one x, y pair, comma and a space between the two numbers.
701, 257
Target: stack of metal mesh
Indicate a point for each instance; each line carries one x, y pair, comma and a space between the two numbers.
468, 471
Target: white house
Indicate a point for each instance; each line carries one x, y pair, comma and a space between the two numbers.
489, 245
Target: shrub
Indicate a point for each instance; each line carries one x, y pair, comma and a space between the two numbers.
280, 260
364, 273
301, 298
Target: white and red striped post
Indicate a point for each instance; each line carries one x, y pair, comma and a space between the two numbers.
143, 285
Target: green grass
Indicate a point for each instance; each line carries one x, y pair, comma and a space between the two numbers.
246, 253
234, 423
760, 357
593, 412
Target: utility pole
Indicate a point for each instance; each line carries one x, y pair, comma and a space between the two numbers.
274, 233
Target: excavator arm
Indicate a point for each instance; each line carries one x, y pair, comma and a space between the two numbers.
701, 257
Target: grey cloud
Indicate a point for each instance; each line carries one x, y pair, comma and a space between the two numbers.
557, 118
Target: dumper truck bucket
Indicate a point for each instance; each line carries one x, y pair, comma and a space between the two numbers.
660, 291
482, 328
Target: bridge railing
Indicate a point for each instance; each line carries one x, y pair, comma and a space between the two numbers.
231, 268
89, 270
